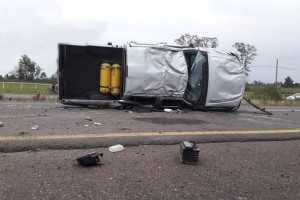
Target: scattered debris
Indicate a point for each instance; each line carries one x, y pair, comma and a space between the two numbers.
97, 123
35, 127
85, 125
23, 132
88, 119
168, 110
189, 152
125, 128
257, 107
129, 111
116, 148
90, 159
1, 124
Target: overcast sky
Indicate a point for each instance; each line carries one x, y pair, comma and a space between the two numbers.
35, 27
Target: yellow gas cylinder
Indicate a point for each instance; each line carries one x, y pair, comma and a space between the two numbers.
105, 71
115, 79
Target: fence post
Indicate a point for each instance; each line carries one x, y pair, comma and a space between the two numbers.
3, 86
21, 86
35, 86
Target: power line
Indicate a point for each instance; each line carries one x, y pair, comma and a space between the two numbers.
275, 67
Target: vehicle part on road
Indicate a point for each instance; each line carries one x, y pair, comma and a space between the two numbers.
189, 152
168, 110
257, 107
88, 119
1, 124
97, 123
35, 127
116, 148
90, 159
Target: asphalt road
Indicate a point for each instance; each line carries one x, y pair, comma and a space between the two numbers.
264, 169
241, 171
66, 127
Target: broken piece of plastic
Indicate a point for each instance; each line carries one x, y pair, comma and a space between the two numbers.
90, 159
97, 123
116, 148
35, 127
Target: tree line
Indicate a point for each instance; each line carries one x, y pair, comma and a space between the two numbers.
288, 83
28, 71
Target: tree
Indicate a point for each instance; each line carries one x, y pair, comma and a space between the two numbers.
54, 77
26, 69
196, 41
288, 82
11, 75
43, 75
257, 83
246, 53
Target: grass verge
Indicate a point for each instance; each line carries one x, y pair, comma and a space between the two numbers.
272, 103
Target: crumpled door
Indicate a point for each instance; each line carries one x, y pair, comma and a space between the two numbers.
155, 72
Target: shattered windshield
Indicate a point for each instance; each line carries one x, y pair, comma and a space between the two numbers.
195, 87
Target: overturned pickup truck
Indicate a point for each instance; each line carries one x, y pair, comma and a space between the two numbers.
141, 74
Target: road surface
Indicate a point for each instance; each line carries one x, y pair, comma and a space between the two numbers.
241, 171
65, 127
32, 167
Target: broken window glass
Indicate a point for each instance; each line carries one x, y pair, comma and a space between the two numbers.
195, 84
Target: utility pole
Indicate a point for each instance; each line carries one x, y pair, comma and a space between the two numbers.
276, 73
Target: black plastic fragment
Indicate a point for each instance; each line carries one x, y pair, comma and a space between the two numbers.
90, 159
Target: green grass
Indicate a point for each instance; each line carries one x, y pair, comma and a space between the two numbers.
271, 103
289, 91
268, 95
15, 88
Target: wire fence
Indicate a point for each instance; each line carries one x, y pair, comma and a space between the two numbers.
26, 88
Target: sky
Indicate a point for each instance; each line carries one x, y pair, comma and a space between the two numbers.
35, 27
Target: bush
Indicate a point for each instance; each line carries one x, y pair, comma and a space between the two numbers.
265, 92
